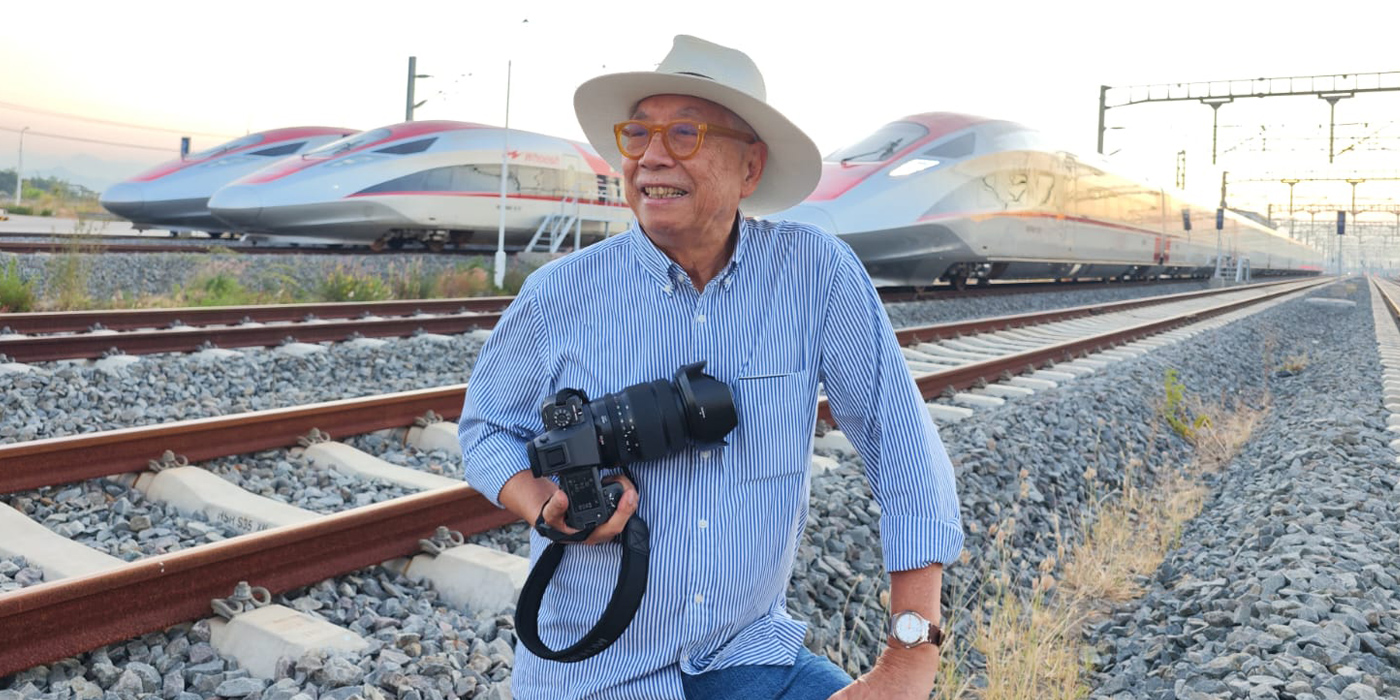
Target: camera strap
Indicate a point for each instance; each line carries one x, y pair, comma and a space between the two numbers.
621, 608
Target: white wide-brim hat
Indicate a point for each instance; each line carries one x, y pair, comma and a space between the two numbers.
722, 75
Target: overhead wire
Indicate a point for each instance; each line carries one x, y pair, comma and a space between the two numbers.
108, 122
32, 132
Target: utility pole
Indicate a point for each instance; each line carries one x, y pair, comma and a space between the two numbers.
1355, 226
1332, 98
500, 261
1220, 230
1291, 181
1215, 103
1103, 109
19, 170
413, 75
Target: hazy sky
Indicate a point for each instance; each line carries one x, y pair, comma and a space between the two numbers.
839, 70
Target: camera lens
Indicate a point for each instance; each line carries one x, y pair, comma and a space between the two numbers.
651, 420
709, 405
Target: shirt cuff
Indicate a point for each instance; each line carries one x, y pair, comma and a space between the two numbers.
492, 462
913, 542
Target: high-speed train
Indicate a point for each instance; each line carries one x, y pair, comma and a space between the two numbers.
946, 196
175, 195
430, 181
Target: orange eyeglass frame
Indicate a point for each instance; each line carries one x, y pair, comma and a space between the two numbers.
702, 128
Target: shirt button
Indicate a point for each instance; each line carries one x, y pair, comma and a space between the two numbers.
704, 523
699, 599
704, 454
700, 318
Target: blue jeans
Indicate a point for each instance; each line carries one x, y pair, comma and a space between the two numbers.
810, 677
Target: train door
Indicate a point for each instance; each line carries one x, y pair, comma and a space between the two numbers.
1067, 192
1162, 252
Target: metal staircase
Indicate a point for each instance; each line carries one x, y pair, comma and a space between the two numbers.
557, 225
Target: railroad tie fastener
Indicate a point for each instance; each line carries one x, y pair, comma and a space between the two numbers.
245, 598
314, 437
169, 460
427, 419
442, 540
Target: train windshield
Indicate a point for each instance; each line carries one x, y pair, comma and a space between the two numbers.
233, 145
881, 145
335, 148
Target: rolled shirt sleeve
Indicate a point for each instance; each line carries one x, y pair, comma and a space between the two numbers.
500, 414
876, 404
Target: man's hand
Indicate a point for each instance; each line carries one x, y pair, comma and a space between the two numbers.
558, 505
899, 674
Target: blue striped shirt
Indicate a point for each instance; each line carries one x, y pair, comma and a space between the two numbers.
792, 308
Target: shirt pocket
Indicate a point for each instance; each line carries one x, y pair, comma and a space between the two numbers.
776, 420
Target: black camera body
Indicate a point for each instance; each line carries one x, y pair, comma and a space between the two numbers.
643, 421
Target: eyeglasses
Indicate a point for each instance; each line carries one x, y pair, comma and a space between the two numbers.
682, 139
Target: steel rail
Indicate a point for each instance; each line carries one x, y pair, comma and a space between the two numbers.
51, 621
133, 319
946, 291
200, 249
1390, 303
965, 376
181, 339
41, 348
940, 331
160, 591
52, 461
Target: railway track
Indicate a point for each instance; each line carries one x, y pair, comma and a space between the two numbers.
48, 336
159, 591
147, 244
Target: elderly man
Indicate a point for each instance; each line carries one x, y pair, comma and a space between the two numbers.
774, 308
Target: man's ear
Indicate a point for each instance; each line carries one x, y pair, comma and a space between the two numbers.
755, 158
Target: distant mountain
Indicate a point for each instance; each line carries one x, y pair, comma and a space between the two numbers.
89, 171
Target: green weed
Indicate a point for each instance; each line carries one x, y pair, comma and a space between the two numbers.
16, 295
352, 285
1177, 413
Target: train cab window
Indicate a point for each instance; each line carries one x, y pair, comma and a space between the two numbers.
881, 145
337, 147
285, 149
959, 147
233, 145
411, 147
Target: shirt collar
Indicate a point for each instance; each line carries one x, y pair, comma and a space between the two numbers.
665, 272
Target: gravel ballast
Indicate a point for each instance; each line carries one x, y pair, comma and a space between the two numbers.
1033, 468
1286, 585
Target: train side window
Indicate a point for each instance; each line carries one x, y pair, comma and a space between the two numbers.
476, 178
407, 183
959, 147
285, 149
437, 180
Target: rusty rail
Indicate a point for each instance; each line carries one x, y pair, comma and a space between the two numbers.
133, 319
36, 463
160, 591
935, 383
55, 620
93, 345
1391, 305
925, 334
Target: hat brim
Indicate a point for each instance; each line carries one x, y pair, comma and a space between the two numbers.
794, 164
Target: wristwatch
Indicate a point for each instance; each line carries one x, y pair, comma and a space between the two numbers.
909, 629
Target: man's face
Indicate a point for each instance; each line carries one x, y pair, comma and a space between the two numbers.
678, 202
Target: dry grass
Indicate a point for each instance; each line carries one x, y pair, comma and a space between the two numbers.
1032, 640
464, 282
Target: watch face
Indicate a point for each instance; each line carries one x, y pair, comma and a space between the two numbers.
908, 628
